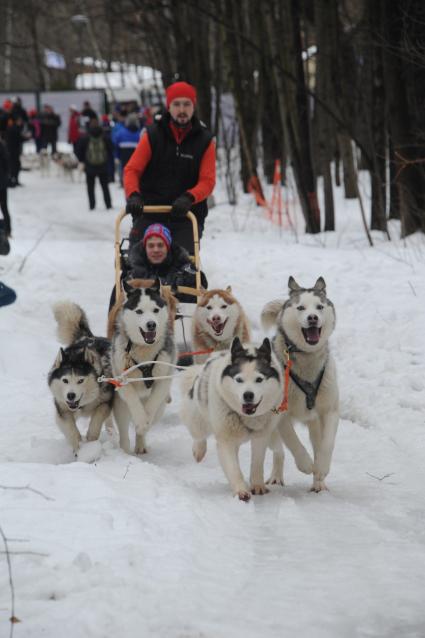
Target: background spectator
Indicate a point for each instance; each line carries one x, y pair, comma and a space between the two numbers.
126, 139
74, 126
95, 151
4, 179
50, 122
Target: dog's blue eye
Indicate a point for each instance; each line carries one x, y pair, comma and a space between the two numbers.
238, 380
139, 312
80, 380
156, 310
300, 307
259, 380
65, 380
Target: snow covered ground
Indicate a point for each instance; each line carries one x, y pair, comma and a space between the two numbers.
157, 547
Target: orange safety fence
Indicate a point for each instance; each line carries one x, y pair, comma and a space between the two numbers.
276, 210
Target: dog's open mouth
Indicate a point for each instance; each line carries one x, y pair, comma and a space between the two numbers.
312, 334
73, 405
250, 408
217, 326
149, 336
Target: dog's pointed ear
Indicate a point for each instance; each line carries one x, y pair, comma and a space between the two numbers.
229, 289
270, 312
320, 285
265, 350
89, 356
128, 288
293, 286
156, 286
59, 357
236, 349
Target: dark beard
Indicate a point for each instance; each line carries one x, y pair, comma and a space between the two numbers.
178, 124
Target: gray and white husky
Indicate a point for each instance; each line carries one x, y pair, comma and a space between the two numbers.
304, 324
233, 396
143, 332
73, 376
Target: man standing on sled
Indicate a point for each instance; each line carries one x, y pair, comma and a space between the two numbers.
173, 164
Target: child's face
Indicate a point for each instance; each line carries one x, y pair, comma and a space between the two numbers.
156, 250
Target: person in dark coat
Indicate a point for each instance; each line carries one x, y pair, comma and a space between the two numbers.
87, 114
173, 164
5, 225
14, 138
94, 150
49, 123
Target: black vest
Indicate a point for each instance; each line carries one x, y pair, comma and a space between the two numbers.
174, 168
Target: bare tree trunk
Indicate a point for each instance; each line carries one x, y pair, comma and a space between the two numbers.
348, 166
282, 24
404, 78
326, 30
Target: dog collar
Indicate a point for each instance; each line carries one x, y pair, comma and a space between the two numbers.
290, 345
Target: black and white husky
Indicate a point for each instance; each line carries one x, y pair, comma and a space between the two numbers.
233, 396
73, 376
143, 332
304, 324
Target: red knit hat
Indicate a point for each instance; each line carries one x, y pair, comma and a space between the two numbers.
158, 230
180, 89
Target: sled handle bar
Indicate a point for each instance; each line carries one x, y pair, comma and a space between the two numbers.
155, 209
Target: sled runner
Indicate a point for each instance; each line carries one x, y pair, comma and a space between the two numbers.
185, 308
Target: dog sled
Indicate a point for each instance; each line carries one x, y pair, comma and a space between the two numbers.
184, 309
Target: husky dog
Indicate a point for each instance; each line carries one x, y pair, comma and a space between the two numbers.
304, 324
217, 319
73, 376
67, 163
143, 331
233, 395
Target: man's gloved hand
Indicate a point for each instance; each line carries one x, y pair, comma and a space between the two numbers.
182, 205
134, 205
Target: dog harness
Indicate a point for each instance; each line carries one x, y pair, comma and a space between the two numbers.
310, 389
145, 370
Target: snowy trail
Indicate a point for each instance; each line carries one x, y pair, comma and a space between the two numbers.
157, 546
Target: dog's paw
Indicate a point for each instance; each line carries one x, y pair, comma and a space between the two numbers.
199, 449
259, 490
140, 446
275, 479
318, 486
304, 463
243, 495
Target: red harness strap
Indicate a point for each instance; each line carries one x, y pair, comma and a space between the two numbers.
284, 405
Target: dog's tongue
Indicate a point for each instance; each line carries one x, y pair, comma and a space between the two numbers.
218, 327
149, 336
249, 408
312, 334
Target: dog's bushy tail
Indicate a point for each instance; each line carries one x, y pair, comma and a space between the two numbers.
72, 322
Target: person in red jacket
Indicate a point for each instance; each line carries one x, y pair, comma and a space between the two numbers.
74, 128
173, 164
